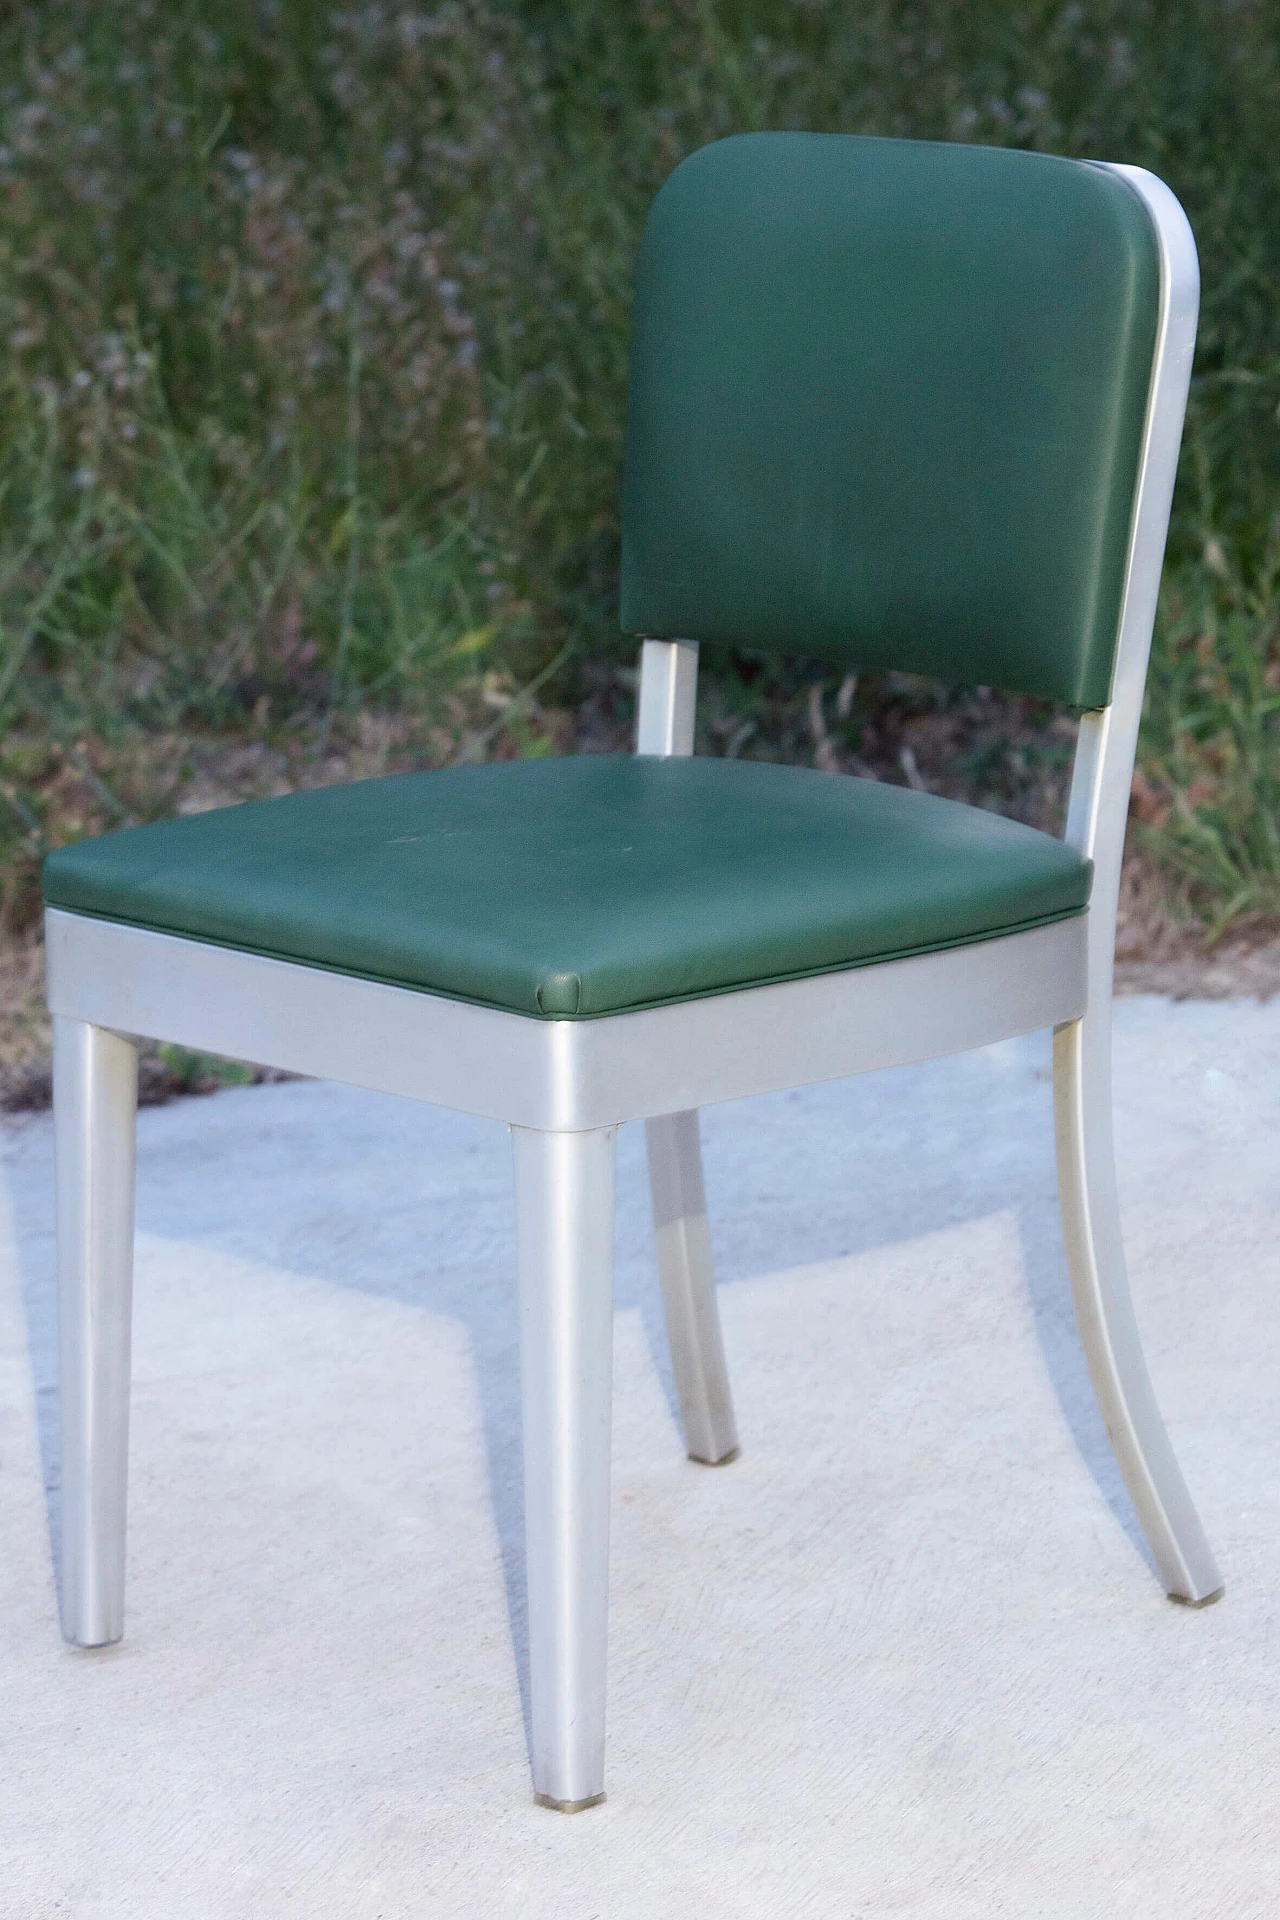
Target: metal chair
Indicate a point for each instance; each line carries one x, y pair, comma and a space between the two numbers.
892, 404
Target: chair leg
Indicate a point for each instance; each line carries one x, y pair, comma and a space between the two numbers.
564, 1223
95, 1091
689, 1288
1099, 1282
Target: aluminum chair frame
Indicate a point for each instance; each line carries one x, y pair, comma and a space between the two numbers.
565, 1086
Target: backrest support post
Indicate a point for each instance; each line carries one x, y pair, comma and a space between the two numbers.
668, 696
1107, 742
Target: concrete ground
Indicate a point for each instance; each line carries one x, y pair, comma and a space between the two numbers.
907, 1657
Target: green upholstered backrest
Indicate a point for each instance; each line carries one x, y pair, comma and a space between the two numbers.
887, 407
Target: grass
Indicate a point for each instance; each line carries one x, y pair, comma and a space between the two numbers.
311, 412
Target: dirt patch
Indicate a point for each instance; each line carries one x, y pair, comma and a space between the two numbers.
1160, 946
1233, 970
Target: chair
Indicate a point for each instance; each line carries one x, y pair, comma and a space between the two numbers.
894, 404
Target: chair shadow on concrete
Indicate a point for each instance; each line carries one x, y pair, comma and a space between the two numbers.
792, 1179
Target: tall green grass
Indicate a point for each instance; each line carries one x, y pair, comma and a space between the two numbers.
316, 323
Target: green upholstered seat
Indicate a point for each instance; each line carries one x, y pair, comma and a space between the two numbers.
582, 886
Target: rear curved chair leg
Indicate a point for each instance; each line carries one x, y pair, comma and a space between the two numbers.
689, 1288
1099, 1282
95, 1092
564, 1228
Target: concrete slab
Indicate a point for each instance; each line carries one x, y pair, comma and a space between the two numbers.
908, 1656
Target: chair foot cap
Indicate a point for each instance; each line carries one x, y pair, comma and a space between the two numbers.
1210, 1599
725, 1460
568, 1806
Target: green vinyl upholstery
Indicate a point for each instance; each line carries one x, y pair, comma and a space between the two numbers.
887, 405
582, 886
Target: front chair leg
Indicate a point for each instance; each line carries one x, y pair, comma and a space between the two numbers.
564, 1225
95, 1093
1099, 1282
689, 1288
